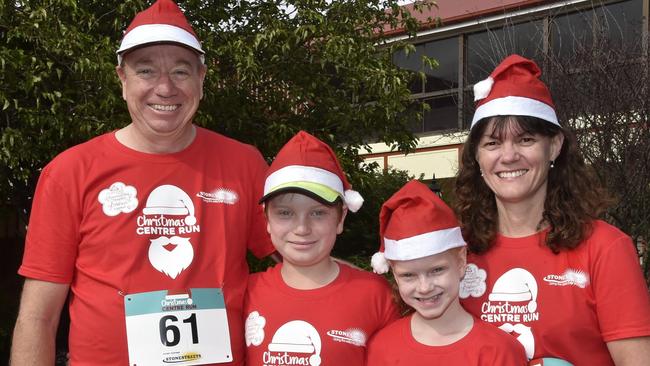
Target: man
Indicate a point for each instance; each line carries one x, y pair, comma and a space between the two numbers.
147, 226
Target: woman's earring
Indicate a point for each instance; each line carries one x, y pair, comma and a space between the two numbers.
481, 170
552, 164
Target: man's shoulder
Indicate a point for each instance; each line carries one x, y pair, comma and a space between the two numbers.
221, 142
84, 151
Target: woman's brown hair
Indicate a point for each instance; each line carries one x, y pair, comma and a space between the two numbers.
574, 196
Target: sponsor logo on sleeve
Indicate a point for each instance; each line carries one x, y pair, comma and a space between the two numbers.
570, 277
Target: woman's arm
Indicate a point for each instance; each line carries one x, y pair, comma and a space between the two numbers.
630, 351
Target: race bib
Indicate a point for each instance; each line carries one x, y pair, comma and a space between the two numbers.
188, 328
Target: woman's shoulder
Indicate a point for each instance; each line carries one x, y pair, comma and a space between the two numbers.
601, 227
603, 235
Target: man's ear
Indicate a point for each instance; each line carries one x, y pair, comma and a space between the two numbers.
122, 75
203, 69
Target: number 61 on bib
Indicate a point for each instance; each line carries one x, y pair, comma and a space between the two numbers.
188, 328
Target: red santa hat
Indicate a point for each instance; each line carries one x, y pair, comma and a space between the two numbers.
514, 88
415, 223
161, 22
308, 165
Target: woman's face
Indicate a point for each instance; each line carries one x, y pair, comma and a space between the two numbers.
515, 164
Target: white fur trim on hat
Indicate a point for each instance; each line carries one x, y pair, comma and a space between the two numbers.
423, 245
517, 106
353, 200
483, 88
379, 263
152, 33
302, 173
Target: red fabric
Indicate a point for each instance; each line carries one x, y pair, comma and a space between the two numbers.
352, 307
414, 210
573, 317
519, 77
162, 12
304, 149
484, 345
71, 239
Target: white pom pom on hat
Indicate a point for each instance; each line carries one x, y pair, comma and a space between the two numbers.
482, 88
414, 223
379, 263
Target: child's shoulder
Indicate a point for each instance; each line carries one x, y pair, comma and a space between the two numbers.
360, 277
497, 345
491, 334
262, 278
392, 331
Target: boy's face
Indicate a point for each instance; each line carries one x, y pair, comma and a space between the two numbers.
302, 229
430, 285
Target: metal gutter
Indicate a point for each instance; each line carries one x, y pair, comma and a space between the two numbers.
488, 19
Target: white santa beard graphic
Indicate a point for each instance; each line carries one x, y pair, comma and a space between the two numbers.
525, 336
173, 262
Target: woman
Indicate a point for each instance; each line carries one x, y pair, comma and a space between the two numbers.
542, 266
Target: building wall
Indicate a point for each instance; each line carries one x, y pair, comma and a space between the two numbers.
473, 37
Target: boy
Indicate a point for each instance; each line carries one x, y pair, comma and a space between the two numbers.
310, 310
422, 244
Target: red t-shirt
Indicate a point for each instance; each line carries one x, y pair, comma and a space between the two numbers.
484, 345
111, 221
328, 325
565, 305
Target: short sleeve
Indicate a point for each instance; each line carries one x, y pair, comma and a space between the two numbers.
52, 238
389, 309
622, 300
259, 242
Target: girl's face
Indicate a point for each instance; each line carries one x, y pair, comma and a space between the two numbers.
430, 285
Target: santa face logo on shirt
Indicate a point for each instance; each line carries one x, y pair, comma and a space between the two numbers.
168, 217
171, 255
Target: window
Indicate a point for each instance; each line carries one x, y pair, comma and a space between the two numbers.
445, 76
611, 25
442, 115
620, 23
571, 33
572, 30
486, 49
